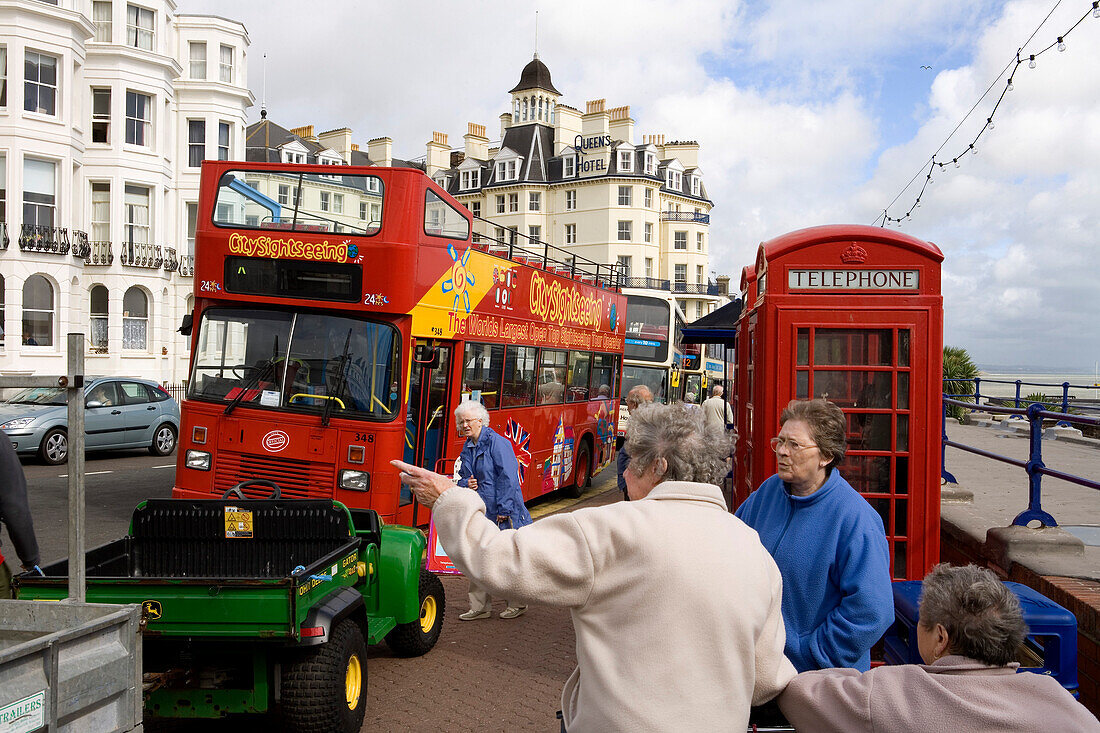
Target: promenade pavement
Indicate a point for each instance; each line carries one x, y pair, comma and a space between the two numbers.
1000, 492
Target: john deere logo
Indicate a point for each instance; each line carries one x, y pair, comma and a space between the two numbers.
151, 610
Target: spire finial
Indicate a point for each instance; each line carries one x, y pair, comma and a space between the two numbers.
536, 34
263, 93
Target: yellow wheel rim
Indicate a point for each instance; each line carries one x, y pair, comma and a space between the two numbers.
353, 682
428, 610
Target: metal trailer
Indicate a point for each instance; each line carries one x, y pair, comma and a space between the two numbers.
69, 666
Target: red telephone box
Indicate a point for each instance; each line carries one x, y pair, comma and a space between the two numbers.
853, 314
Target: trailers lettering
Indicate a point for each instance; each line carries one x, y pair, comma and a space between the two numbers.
264, 246
556, 304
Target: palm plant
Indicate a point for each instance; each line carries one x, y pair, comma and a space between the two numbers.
957, 364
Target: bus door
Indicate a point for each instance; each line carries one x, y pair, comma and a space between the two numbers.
427, 416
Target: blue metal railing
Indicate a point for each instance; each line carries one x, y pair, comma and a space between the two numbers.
1034, 466
1019, 402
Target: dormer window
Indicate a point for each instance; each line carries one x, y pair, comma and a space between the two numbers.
626, 161
674, 180
289, 156
695, 185
441, 181
570, 167
471, 179
650, 164
507, 170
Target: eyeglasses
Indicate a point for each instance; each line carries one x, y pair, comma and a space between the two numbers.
790, 445
467, 421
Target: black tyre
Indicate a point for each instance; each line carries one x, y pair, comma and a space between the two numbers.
164, 440
417, 638
582, 471
54, 448
325, 687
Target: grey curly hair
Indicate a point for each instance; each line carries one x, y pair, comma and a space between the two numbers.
982, 615
677, 434
474, 409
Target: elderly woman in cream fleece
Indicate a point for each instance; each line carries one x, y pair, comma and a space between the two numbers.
675, 603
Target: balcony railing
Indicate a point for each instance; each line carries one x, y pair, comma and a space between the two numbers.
81, 248
35, 238
4, 235
135, 254
699, 218
187, 266
171, 264
99, 254
646, 282
695, 288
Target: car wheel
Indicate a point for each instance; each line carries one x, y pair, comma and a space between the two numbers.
54, 448
164, 440
325, 687
416, 638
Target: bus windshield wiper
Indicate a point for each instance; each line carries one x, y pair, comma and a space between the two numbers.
341, 382
262, 370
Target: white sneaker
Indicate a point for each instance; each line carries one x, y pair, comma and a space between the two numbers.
473, 615
513, 611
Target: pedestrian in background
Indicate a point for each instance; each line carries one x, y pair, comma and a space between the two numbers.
15, 514
717, 411
828, 542
675, 603
638, 395
488, 465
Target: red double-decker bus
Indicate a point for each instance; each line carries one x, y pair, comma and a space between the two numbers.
341, 314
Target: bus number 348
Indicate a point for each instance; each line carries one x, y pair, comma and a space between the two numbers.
369, 437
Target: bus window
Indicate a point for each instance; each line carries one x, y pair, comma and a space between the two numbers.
694, 386
653, 377
552, 377
519, 376
297, 360
603, 376
647, 321
442, 220
299, 202
483, 367
580, 363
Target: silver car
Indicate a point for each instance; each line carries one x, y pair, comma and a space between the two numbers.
119, 412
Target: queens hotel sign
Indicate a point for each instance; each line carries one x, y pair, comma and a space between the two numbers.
813, 279
590, 146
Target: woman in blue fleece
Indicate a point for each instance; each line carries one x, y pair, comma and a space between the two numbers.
828, 542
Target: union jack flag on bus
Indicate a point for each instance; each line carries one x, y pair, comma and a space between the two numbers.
521, 444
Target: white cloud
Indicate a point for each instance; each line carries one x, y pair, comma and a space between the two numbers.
792, 103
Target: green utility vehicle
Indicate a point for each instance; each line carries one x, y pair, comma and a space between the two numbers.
262, 605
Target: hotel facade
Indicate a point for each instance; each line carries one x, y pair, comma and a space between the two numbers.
107, 109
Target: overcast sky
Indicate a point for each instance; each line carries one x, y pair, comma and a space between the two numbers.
807, 113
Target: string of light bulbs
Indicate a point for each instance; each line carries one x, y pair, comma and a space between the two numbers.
884, 219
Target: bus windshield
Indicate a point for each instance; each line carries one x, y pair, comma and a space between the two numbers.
297, 361
653, 377
647, 322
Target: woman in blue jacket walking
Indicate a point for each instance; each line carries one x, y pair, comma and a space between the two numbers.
488, 465
828, 542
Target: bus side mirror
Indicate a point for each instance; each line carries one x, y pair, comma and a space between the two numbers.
426, 356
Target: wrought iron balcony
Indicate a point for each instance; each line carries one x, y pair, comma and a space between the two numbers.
646, 282
99, 254
695, 288
699, 218
81, 248
4, 235
187, 265
135, 254
171, 264
35, 238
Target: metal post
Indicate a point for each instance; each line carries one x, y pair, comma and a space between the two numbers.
1034, 475
1065, 398
1018, 383
945, 475
977, 393
76, 467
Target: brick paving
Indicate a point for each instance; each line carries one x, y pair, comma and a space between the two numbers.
489, 675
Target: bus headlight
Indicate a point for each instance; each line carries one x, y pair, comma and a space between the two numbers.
198, 460
354, 480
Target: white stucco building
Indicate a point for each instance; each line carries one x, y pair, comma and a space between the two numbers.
107, 108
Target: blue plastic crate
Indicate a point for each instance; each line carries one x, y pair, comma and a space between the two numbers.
1052, 632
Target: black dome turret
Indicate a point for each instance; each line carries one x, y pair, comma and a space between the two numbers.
535, 75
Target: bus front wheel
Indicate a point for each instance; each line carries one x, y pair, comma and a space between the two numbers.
582, 471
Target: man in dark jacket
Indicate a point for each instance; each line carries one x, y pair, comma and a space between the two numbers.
15, 514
